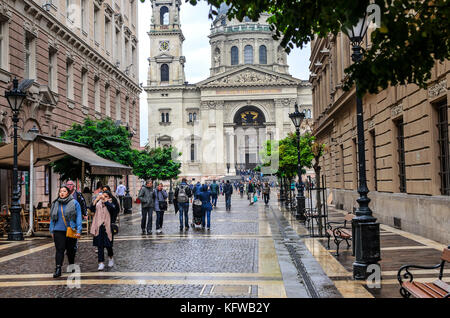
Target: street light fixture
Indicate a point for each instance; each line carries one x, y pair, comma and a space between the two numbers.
15, 99
366, 232
297, 118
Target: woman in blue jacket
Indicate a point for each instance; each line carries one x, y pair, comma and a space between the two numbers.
205, 197
65, 212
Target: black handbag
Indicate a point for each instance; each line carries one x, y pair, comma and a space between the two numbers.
162, 205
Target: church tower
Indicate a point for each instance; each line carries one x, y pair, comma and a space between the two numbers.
166, 41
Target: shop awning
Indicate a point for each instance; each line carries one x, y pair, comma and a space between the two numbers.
49, 149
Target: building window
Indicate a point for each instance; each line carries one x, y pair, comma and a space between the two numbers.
248, 54
134, 112
96, 24
164, 73
342, 166
133, 61
192, 151
234, 55
162, 117
3, 46
118, 47
133, 12
52, 70
167, 118
194, 116
97, 105
444, 153
30, 56
107, 34
83, 15
118, 108
69, 10
401, 155
127, 109
308, 113
374, 159
107, 100
69, 79
84, 88
164, 16
262, 54
190, 117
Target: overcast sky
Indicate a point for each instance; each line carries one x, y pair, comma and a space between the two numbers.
196, 28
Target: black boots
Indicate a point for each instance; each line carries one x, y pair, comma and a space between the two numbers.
57, 272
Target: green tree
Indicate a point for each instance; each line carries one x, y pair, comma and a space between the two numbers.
413, 34
288, 157
104, 137
157, 164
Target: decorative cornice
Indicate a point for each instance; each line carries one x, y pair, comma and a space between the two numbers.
5, 13
437, 89
31, 29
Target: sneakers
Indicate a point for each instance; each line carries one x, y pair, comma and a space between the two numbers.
111, 262
101, 266
159, 231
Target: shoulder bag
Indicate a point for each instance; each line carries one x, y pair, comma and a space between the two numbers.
70, 232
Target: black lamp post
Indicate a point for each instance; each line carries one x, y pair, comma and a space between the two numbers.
297, 118
366, 232
15, 99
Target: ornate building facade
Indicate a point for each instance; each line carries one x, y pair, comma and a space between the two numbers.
83, 57
406, 139
221, 123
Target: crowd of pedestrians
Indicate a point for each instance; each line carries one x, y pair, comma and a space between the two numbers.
71, 207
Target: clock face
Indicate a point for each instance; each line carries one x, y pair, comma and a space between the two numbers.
164, 45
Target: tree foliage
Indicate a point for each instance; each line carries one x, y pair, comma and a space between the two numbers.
157, 164
104, 137
413, 34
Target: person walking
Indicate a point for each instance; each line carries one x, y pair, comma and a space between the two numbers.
120, 193
205, 196
146, 196
241, 189
251, 191
183, 193
197, 190
78, 197
214, 188
160, 206
65, 212
105, 216
266, 193
228, 191
258, 188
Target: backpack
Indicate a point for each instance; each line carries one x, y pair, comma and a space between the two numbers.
182, 195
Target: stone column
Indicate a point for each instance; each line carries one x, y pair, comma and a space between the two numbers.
220, 157
279, 119
230, 150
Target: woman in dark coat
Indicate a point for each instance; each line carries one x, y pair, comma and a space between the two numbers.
106, 212
205, 197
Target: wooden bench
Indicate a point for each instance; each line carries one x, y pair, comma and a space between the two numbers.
339, 231
435, 289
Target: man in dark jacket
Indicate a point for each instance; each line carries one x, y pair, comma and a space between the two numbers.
228, 191
146, 197
182, 194
78, 197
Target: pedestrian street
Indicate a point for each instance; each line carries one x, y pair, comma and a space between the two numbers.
253, 251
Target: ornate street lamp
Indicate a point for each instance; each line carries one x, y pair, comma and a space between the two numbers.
15, 99
297, 118
366, 232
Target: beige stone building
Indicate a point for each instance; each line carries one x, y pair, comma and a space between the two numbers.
83, 57
220, 124
406, 139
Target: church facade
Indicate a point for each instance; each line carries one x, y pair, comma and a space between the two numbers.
221, 123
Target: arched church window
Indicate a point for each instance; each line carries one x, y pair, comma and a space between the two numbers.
164, 73
262, 54
234, 55
164, 15
248, 54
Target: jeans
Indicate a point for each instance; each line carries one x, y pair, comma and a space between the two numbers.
120, 202
206, 213
266, 198
159, 219
184, 209
64, 244
228, 201
214, 199
144, 224
101, 253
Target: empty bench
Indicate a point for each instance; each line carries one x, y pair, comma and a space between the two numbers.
435, 289
339, 232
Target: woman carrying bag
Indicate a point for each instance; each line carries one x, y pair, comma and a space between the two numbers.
65, 227
160, 206
103, 227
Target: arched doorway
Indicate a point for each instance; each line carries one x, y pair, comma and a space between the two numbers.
250, 135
